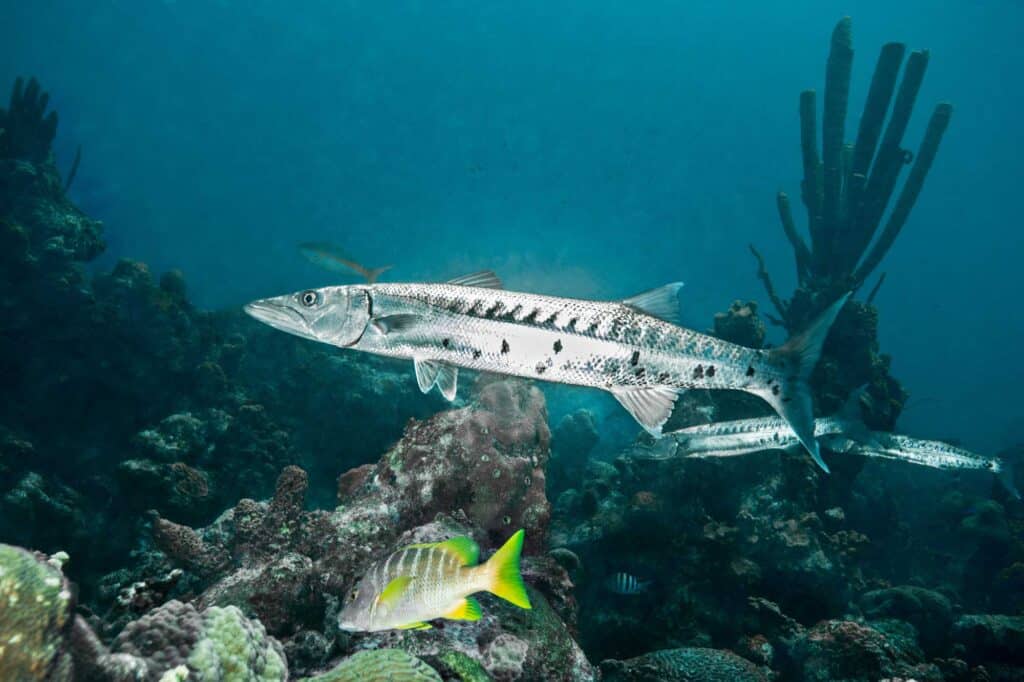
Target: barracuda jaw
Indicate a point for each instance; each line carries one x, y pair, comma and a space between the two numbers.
281, 317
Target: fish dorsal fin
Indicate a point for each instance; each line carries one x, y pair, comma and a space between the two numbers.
462, 547
662, 302
390, 324
465, 609
432, 372
485, 279
651, 405
851, 407
394, 589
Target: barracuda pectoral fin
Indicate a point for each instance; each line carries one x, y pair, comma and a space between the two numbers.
391, 324
650, 405
430, 373
662, 302
485, 279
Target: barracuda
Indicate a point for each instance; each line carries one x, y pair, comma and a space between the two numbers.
843, 432
633, 348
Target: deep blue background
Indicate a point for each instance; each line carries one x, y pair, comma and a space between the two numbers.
590, 148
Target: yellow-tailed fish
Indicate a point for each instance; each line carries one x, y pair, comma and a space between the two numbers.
422, 582
330, 257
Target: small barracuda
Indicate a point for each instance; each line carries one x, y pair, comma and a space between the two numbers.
632, 348
331, 257
422, 582
843, 432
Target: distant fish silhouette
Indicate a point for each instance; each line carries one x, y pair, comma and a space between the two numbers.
330, 257
626, 584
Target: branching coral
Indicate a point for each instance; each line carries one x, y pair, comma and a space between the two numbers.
25, 132
847, 188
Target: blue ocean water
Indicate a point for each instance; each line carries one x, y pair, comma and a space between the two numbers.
583, 149
588, 149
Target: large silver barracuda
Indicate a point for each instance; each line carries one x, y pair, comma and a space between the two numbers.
633, 348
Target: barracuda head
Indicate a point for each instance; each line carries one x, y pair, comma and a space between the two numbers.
334, 315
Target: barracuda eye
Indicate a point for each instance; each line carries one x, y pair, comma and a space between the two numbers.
309, 298
353, 594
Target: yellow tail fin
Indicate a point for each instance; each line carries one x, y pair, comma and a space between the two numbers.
503, 575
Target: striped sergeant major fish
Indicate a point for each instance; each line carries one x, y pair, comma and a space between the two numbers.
626, 584
422, 582
633, 348
843, 433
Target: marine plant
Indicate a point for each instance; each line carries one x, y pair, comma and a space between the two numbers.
847, 188
25, 132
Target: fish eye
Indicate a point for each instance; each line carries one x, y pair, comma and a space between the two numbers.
309, 298
352, 595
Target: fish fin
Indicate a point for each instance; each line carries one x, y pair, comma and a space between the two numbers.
388, 324
447, 381
504, 579
836, 443
415, 626
393, 590
485, 279
1005, 473
426, 373
662, 302
465, 609
851, 406
462, 547
373, 275
431, 372
651, 406
798, 358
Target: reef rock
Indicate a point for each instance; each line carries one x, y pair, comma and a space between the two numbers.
36, 610
688, 664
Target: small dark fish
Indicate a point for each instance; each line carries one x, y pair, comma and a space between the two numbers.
330, 257
626, 584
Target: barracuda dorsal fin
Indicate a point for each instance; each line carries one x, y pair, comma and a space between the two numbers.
430, 373
393, 590
651, 405
662, 302
485, 279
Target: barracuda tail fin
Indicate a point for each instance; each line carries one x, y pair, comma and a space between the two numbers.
503, 577
1004, 473
797, 358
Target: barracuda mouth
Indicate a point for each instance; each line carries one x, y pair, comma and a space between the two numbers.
280, 317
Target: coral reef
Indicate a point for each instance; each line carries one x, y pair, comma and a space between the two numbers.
236, 514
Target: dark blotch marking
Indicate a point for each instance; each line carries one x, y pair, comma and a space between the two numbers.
663, 377
640, 372
445, 342
504, 346
572, 324
532, 317
710, 373
635, 359
750, 371
476, 354
775, 390
493, 310
558, 346
541, 367
551, 319
786, 400
698, 372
